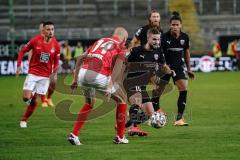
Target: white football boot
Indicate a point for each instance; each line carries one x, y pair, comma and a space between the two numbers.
74, 140
23, 124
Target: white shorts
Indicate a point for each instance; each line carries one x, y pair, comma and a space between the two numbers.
36, 84
91, 79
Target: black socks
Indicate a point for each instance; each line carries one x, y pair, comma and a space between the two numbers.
182, 99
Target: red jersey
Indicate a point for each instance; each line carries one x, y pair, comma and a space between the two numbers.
102, 55
45, 56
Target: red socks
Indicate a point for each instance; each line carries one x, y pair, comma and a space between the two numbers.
30, 109
86, 110
121, 119
43, 98
82, 118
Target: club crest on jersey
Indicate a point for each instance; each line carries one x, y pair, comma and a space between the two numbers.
182, 41
156, 56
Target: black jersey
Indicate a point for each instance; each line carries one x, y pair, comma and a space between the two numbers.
145, 60
174, 49
141, 34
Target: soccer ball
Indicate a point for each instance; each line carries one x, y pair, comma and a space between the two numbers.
158, 120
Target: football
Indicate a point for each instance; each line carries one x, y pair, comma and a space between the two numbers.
158, 119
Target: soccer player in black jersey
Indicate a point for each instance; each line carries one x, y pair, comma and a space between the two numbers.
144, 62
140, 37
175, 44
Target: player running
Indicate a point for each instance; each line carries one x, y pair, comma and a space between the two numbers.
175, 45
42, 67
144, 62
46, 101
99, 68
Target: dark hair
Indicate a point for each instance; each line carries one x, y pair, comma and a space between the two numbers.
47, 23
153, 31
42, 22
150, 14
175, 16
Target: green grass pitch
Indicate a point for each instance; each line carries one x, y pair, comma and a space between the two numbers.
213, 111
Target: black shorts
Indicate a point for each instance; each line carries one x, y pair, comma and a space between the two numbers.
135, 85
180, 74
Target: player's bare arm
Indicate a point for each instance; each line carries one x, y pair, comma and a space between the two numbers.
80, 60
116, 75
56, 64
135, 42
25, 49
166, 69
187, 61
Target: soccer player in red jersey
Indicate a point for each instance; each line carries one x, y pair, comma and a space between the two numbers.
46, 101
42, 67
100, 68
41, 30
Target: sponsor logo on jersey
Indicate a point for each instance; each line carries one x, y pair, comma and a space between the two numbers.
169, 42
44, 57
92, 55
156, 56
175, 49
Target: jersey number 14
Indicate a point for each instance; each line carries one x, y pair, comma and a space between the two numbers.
103, 47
